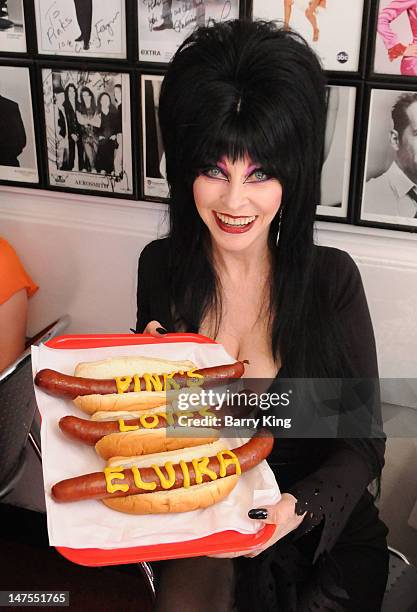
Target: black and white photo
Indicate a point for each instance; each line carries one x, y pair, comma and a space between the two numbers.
335, 177
332, 28
90, 28
17, 135
12, 26
390, 176
154, 179
88, 130
164, 24
396, 38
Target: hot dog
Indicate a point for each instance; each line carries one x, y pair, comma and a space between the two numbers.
131, 391
90, 432
180, 486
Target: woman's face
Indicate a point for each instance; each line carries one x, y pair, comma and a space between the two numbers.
87, 98
237, 202
105, 103
72, 94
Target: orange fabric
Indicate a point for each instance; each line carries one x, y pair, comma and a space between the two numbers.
13, 276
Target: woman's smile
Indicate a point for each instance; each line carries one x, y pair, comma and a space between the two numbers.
232, 224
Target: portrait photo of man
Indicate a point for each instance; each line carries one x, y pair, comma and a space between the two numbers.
394, 191
12, 133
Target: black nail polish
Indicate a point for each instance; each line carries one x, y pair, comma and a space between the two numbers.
258, 513
132, 330
161, 330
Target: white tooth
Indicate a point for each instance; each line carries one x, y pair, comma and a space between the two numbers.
238, 221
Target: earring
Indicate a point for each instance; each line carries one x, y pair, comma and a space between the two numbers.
279, 226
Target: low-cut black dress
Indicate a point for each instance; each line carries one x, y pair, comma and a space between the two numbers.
337, 559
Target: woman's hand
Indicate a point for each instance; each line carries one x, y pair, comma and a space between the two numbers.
411, 51
282, 515
155, 329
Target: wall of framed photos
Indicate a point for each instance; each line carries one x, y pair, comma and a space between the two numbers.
82, 189
80, 82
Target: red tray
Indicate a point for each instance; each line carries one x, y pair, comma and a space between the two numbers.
222, 542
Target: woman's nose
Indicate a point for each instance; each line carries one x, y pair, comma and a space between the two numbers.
233, 195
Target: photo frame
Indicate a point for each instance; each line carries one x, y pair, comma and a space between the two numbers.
337, 172
18, 143
393, 39
162, 26
389, 170
12, 27
335, 33
154, 184
82, 28
88, 130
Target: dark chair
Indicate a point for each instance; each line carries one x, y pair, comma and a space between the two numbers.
19, 418
401, 591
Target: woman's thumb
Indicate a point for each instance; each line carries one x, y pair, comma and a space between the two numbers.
267, 514
155, 329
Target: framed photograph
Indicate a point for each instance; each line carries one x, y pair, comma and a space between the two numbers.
332, 30
163, 25
81, 28
88, 130
336, 173
18, 158
153, 156
395, 49
12, 26
389, 190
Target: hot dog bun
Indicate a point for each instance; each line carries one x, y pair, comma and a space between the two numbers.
145, 441
142, 400
129, 366
177, 500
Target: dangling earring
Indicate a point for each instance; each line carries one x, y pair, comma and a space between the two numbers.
279, 226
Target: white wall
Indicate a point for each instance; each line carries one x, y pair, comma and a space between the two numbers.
83, 253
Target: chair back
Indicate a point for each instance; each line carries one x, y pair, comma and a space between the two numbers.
17, 408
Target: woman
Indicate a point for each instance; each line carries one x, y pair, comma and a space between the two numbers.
106, 135
74, 128
89, 121
395, 48
242, 114
310, 12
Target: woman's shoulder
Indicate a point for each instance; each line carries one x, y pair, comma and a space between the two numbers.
157, 250
339, 271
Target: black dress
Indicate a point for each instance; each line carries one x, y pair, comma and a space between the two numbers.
337, 559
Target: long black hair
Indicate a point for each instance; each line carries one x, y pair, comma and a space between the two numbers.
239, 88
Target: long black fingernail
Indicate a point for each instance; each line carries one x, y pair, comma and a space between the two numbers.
161, 330
258, 513
132, 330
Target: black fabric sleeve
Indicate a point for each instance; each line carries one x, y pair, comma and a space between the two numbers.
330, 494
143, 297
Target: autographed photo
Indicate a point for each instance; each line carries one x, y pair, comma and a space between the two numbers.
335, 177
88, 133
17, 135
12, 26
390, 178
331, 27
91, 28
164, 24
395, 45
154, 178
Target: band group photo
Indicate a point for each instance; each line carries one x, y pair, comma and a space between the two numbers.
85, 129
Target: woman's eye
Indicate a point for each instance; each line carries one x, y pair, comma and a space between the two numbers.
214, 172
258, 176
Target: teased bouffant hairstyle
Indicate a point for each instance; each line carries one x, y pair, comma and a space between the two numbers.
253, 88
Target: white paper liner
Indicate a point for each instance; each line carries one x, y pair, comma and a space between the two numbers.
90, 524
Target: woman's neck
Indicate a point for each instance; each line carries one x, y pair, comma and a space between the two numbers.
242, 266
